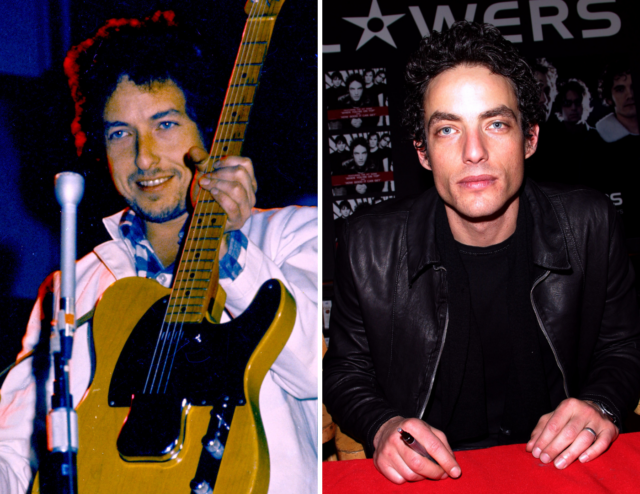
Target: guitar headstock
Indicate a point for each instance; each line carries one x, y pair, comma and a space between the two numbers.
263, 7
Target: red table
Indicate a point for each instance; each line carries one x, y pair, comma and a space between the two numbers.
503, 469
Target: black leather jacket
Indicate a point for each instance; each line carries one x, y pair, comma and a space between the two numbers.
389, 316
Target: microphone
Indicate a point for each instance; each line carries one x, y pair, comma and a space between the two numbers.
69, 190
62, 420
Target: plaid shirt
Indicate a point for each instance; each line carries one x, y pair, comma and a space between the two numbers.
149, 266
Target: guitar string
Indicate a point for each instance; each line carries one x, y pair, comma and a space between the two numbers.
166, 330
227, 134
176, 338
174, 335
182, 286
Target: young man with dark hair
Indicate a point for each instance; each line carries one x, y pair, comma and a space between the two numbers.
339, 156
571, 151
385, 148
547, 76
335, 91
369, 75
345, 209
361, 162
573, 106
616, 90
488, 310
355, 96
141, 90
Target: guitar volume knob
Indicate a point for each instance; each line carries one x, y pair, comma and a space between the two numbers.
202, 487
215, 448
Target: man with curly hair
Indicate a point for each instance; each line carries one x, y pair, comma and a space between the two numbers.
616, 90
547, 77
488, 310
144, 109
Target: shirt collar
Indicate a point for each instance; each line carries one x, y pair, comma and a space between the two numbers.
147, 263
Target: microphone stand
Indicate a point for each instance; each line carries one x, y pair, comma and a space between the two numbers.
62, 421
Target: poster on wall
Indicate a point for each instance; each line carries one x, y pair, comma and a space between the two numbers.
359, 142
361, 165
356, 99
590, 135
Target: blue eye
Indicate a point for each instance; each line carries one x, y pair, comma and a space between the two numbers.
446, 131
167, 125
497, 125
118, 134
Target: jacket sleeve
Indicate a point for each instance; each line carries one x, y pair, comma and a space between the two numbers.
350, 387
283, 244
17, 410
613, 377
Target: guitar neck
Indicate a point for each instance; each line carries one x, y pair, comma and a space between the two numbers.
196, 281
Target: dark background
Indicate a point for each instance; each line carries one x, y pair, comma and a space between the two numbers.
36, 111
577, 57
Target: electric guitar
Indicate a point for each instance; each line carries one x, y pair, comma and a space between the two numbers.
173, 404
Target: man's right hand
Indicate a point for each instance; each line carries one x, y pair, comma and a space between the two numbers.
399, 463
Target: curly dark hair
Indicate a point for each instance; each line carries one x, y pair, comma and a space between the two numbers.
359, 141
467, 43
154, 49
618, 67
355, 77
578, 87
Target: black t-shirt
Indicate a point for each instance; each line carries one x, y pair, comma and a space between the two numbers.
488, 272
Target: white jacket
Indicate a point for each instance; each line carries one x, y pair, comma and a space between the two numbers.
282, 245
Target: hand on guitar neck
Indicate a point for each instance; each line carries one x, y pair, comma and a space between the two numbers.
232, 184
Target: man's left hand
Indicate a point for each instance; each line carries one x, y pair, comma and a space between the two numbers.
563, 435
232, 184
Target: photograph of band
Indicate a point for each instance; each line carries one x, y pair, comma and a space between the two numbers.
591, 128
356, 99
361, 165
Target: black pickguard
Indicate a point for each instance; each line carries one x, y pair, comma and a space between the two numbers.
208, 369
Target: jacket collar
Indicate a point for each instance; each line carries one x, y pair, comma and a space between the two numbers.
111, 223
115, 254
549, 249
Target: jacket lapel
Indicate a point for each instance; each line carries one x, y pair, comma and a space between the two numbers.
422, 250
549, 248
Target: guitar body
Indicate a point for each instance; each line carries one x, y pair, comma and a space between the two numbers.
208, 373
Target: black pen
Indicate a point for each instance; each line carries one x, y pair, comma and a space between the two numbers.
410, 441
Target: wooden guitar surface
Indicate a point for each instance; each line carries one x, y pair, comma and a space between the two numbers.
245, 463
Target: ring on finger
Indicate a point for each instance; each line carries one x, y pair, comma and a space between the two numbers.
589, 429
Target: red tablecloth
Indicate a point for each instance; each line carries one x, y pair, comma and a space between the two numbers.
503, 469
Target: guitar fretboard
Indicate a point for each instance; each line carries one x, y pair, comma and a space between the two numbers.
196, 279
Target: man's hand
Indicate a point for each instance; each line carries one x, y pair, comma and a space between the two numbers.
562, 436
232, 184
399, 463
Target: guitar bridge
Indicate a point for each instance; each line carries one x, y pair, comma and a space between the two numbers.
154, 430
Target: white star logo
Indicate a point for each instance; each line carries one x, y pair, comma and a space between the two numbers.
375, 25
